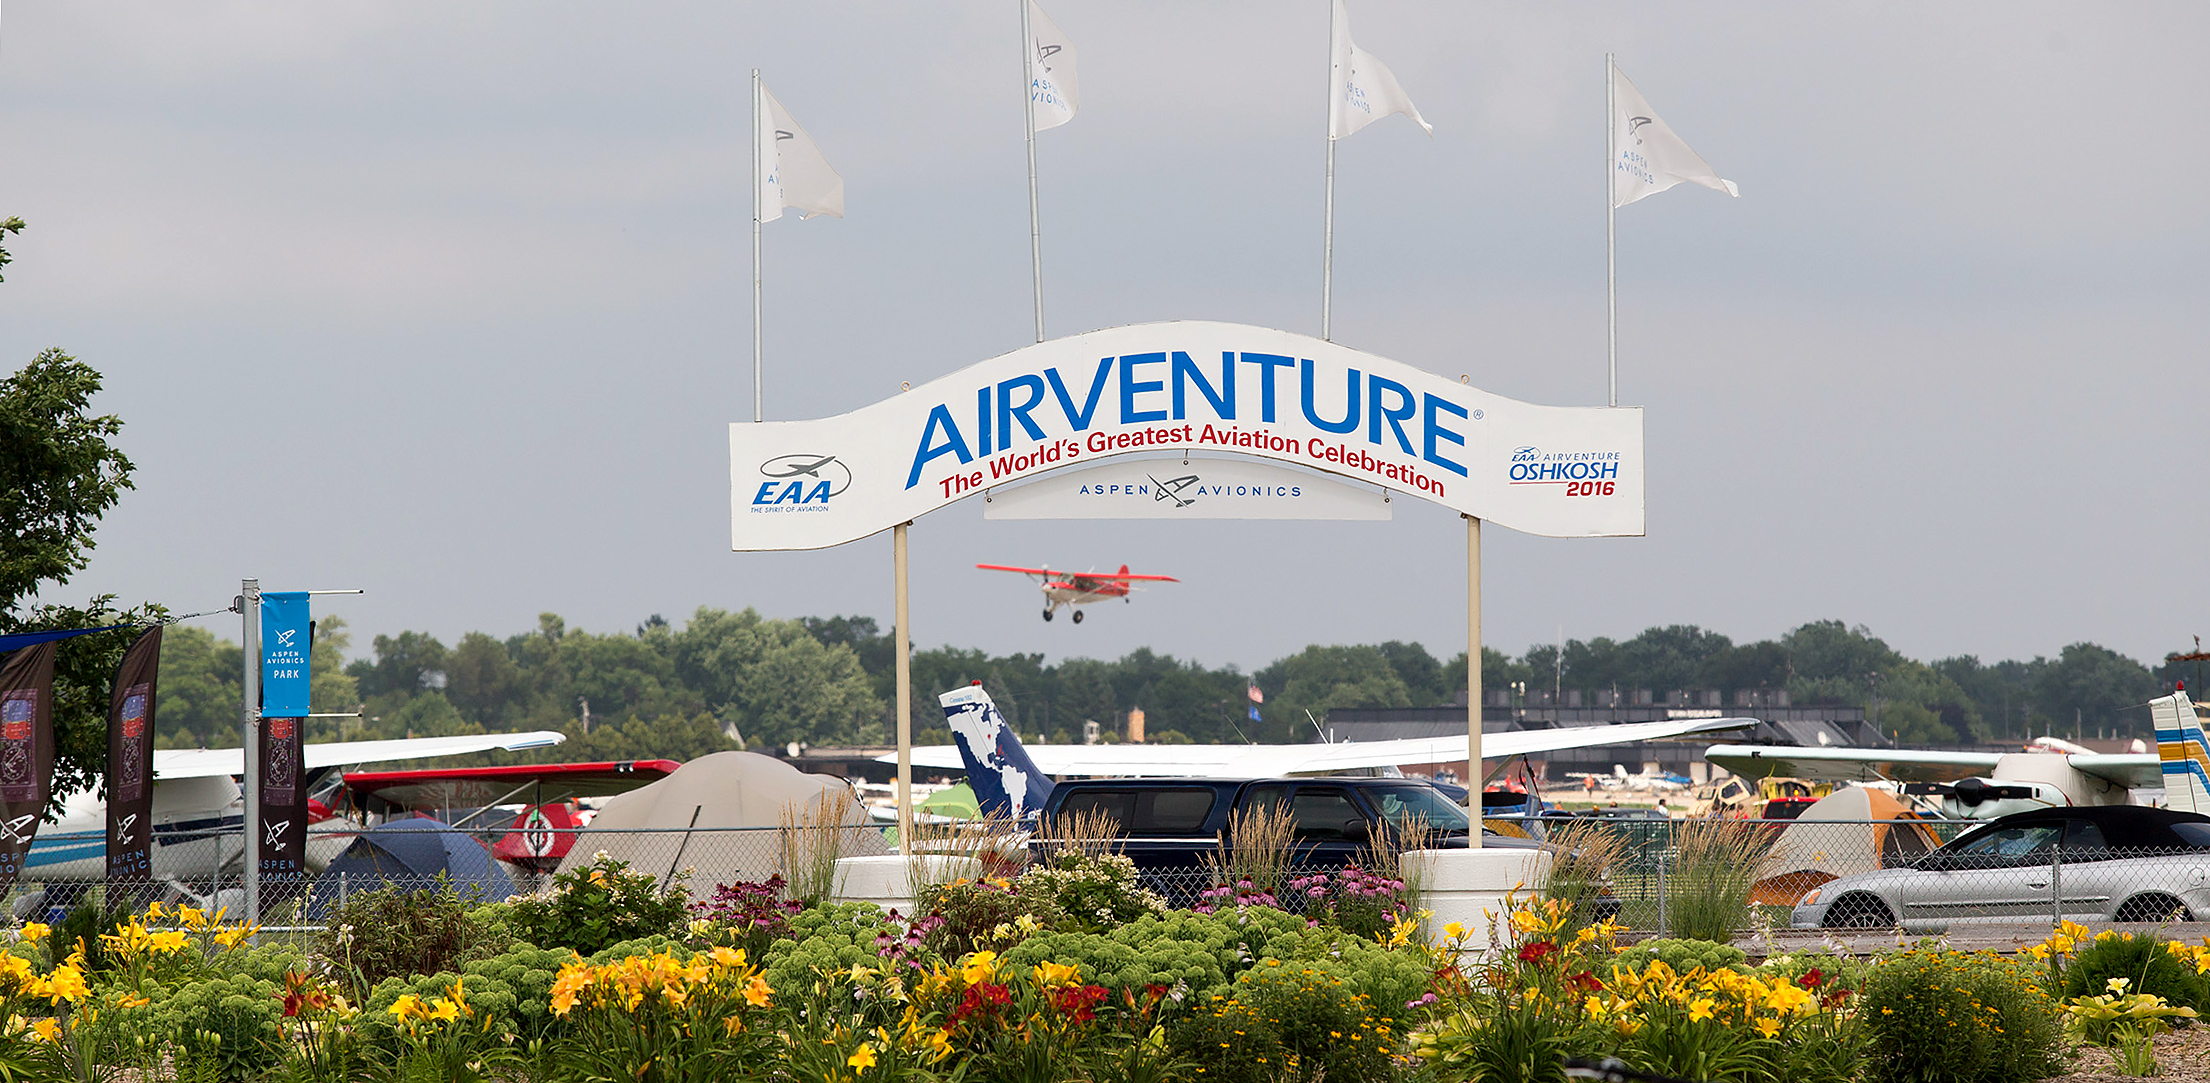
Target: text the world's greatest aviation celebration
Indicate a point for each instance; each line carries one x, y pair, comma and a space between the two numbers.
1205, 387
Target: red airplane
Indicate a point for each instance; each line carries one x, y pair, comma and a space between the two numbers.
1079, 588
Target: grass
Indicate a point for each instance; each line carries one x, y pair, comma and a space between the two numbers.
1256, 848
811, 837
1584, 854
1707, 891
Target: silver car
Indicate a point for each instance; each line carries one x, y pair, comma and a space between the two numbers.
2094, 863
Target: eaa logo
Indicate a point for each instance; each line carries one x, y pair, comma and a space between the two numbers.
800, 481
1527, 454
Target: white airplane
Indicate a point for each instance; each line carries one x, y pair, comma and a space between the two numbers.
1645, 781
199, 808
1986, 785
1009, 776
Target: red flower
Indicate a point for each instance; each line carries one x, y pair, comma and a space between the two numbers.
1078, 1001
985, 998
1811, 979
1585, 982
1536, 951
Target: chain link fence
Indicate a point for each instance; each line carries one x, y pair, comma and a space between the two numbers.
1807, 874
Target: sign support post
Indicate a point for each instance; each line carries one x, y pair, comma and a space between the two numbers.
902, 636
1473, 679
249, 606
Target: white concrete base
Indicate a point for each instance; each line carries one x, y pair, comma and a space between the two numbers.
888, 880
1469, 887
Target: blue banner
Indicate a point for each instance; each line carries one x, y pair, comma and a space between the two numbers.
285, 671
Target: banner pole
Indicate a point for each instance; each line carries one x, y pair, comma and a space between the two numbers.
903, 644
1611, 228
1473, 679
756, 106
249, 609
1035, 221
1327, 229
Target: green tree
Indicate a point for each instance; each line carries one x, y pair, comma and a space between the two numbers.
774, 681
405, 663
483, 682
199, 691
2092, 687
58, 474
7, 226
1319, 679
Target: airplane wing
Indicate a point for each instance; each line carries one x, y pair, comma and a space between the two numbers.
1852, 764
1124, 577
1023, 571
2133, 770
1267, 761
471, 787
171, 763
2136, 770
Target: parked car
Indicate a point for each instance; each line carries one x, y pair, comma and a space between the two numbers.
2094, 863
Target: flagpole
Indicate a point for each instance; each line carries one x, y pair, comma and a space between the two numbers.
1327, 243
1611, 227
756, 107
1035, 226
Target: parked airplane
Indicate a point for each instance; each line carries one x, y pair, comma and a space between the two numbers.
1014, 779
199, 807
545, 828
1987, 785
1080, 588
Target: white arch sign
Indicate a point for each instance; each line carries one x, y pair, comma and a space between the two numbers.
1560, 471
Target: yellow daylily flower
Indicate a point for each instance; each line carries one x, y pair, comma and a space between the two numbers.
407, 1006
1048, 973
861, 1059
756, 992
35, 931
48, 1030
979, 967
444, 1011
1701, 1009
1768, 1027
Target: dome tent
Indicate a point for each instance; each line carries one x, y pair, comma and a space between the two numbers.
409, 855
720, 816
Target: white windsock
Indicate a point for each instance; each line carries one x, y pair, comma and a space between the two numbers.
1051, 83
792, 171
1362, 89
1647, 158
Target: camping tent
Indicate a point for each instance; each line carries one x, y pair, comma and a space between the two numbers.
1852, 830
409, 855
720, 816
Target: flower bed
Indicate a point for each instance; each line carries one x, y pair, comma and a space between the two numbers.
1067, 972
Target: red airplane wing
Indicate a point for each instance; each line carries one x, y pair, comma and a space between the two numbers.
475, 787
1023, 571
1076, 575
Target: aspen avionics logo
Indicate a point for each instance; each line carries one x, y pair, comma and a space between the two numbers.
1583, 473
800, 483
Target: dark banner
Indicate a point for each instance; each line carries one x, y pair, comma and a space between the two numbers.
283, 812
26, 752
287, 637
130, 761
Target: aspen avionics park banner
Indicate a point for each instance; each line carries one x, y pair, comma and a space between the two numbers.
1560, 471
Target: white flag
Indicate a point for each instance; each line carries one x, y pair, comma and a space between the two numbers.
792, 171
1364, 90
1648, 158
1050, 70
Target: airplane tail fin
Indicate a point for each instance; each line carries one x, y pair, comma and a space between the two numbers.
1005, 780
2184, 754
1124, 569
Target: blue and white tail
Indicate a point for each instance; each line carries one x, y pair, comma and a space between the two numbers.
2183, 753
1006, 782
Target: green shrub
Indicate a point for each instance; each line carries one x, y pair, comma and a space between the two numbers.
1095, 892
378, 935
599, 905
826, 938
1958, 1017
230, 1025
1682, 955
1288, 1022
973, 911
2142, 960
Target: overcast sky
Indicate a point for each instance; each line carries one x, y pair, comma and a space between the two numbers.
448, 301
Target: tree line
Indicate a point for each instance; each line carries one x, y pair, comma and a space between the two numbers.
723, 677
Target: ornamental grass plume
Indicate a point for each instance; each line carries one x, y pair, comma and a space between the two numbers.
1715, 862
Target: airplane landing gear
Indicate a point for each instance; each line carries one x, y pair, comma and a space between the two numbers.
1047, 614
1077, 616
